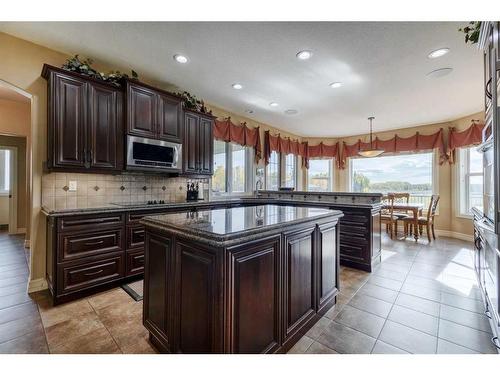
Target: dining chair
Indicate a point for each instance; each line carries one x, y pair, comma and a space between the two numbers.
427, 221
400, 214
387, 215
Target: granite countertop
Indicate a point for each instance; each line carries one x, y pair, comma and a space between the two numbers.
221, 226
112, 208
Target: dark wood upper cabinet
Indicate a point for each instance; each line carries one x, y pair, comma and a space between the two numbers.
191, 152
153, 113
67, 121
85, 123
105, 127
198, 143
169, 118
141, 111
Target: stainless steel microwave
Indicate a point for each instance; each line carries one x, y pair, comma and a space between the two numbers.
153, 155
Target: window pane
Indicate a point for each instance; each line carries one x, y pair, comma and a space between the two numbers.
238, 173
475, 161
219, 177
290, 170
4, 170
409, 173
272, 172
475, 192
319, 175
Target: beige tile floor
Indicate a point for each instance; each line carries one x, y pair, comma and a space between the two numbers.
422, 299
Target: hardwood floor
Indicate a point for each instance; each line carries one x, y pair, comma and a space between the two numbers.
421, 299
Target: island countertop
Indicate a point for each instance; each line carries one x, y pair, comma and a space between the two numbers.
220, 226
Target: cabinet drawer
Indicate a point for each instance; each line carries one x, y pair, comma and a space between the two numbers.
75, 246
89, 222
135, 262
90, 273
135, 237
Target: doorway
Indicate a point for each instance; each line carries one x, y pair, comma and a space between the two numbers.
8, 189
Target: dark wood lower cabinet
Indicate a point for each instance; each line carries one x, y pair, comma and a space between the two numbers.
258, 296
253, 294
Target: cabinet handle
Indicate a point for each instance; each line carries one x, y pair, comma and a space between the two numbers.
487, 88
94, 243
487, 313
94, 273
494, 341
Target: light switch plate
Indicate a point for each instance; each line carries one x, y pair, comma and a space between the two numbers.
72, 185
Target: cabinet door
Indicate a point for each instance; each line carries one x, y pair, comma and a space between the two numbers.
190, 148
299, 286
328, 271
142, 111
67, 121
254, 290
105, 127
206, 146
169, 118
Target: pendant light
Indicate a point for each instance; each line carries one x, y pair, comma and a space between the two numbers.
371, 152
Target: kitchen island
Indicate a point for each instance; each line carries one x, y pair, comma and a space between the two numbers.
247, 279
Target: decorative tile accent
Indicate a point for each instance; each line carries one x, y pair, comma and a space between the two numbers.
96, 188
122, 188
65, 188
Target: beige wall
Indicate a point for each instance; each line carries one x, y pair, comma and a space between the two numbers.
22, 178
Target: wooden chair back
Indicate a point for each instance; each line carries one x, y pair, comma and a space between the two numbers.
389, 201
431, 212
401, 197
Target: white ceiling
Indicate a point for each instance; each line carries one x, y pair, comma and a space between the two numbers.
383, 67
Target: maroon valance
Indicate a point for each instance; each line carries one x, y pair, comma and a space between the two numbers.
417, 142
324, 151
471, 136
225, 130
283, 145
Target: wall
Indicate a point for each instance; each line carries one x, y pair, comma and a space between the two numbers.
21, 65
447, 220
22, 178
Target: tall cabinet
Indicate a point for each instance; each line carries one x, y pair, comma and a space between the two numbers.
198, 143
486, 218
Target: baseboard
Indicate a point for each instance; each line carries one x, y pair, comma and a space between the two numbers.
27, 244
37, 285
460, 236
21, 231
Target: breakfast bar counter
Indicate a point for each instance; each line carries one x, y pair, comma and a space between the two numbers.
249, 279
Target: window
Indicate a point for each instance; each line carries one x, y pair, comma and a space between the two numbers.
232, 166
403, 173
290, 171
4, 171
273, 172
470, 185
319, 175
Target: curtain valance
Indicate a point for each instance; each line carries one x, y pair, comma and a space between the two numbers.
225, 130
324, 151
417, 142
471, 136
285, 146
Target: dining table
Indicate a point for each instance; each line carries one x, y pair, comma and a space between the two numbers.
415, 208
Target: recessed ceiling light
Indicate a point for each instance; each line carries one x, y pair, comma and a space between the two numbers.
438, 53
237, 86
273, 104
335, 85
249, 111
181, 59
304, 55
439, 72
291, 111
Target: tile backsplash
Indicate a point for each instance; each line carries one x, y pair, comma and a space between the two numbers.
94, 190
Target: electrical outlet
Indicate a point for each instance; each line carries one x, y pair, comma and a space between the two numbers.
72, 185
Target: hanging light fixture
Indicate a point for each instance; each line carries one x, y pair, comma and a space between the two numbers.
371, 152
